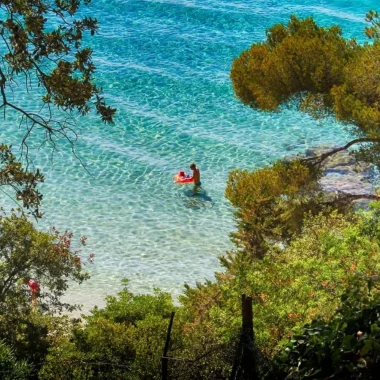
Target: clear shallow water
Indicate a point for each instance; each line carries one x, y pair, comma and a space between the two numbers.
165, 66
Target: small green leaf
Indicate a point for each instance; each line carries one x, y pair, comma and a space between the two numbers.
367, 348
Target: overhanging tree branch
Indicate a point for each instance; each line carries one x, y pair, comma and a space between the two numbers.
319, 159
48, 61
37, 53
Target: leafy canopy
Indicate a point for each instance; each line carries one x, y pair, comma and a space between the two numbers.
344, 347
23, 182
42, 44
294, 284
124, 340
317, 69
48, 258
270, 202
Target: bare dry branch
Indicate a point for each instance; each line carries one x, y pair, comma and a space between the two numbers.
319, 159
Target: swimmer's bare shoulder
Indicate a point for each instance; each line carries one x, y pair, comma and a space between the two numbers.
196, 174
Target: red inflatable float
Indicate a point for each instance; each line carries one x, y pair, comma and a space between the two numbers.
181, 177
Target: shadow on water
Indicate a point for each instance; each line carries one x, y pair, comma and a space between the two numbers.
195, 197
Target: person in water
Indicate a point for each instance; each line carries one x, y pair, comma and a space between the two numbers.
196, 174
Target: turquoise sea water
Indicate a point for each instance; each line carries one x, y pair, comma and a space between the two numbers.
165, 66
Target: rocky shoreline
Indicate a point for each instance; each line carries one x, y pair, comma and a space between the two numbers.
343, 173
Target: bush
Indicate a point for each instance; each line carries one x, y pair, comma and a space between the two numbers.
46, 258
10, 368
345, 347
125, 340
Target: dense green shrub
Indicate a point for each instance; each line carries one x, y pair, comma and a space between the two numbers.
293, 284
10, 367
47, 258
125, 340
345, 347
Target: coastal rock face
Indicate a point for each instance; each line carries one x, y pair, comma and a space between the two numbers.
342, 173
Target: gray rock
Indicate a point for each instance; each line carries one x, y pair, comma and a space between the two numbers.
343, 173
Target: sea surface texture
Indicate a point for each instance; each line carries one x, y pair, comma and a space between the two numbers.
165, 66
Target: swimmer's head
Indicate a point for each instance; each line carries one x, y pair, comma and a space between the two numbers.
181, 173
192, 166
